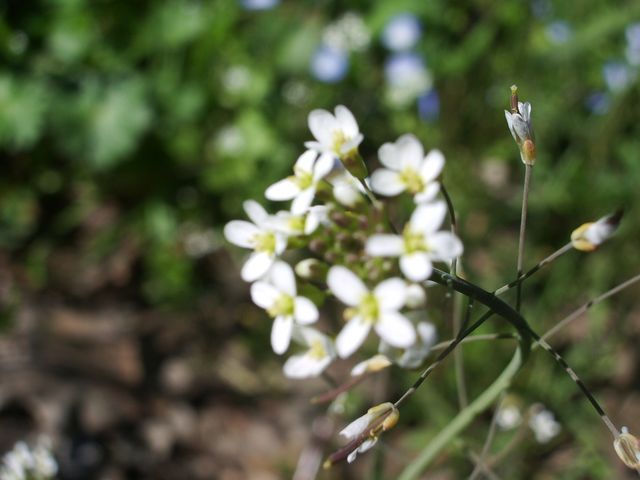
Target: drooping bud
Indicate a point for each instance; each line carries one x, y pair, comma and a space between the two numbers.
374, 364
628, 448
587, 237
521, 128
312, 269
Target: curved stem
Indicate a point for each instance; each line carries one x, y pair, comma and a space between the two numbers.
463, 419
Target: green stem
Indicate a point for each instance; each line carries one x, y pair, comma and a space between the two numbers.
523, 228
463, 419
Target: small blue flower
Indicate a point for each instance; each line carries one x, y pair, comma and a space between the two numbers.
633, 35
617, 75
402, 32
329, 65
541, 8
598, 103
429, 105
559, 32
259, 4
404, 68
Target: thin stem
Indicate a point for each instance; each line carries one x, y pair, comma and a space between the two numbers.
561, 251
476, 338
463, 419
452, 345
483, 468
523, 228
575, 314
458, 359
481, 462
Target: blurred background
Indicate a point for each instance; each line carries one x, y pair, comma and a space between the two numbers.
130, 133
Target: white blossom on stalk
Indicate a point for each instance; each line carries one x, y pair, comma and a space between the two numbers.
408, 170
278, 296
259, 236
24, 462
301, 187
366, 421
589, 236
413, 356
293, 225
311, 363
337, 133
544, 425
347, 190
374, 364
378, 309
521, 128
420, 243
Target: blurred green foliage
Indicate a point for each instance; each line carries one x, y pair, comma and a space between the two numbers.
172, 112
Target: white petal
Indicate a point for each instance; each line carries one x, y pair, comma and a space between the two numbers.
304, 164
367, 444
388, 155
356, 427
241, 233
432, 166
305, 312
346, 285
281, 333
352, 456
410, 151
322, 124
508, 116
302, 202
256, 266
391, 294
305, 366
283, 279
445, 246
323, 166
352, 335
395, 329
416, 266
317, 147
428, 194
285, 189
281, 242
255, 212
347, 121
386, 182
264, 294
428, 218
351, 144
427, 332
384, 246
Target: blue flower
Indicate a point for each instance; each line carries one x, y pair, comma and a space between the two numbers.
402, 32
617, 75
404, 68
259, 4
598, 103
329, 65
429, 105
632, 33
559, 32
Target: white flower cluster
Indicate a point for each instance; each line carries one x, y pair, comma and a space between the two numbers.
352, 243
24, 463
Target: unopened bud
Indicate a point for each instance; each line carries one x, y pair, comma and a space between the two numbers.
589, 236
354, 164
628, 448
312, 269
528, 152
374, 364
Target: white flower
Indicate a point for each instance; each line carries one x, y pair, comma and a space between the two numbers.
374, 364
544, 425
420, 243
337, 134
347, 190
366, 421
508, 417
259, 236
589, 236
408, 170
301, 186
521, 129
413, 356
293, 225
25, 462
312, 362
279, 298
377, 309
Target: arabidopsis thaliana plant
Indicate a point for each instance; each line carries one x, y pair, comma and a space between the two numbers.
408, 170
278, 296
378, 309
521, 129
337, 133
544, 426
260, 236
589, 236
293, 225
420, 243
311, 363
374, 364
628, 448
301, 187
